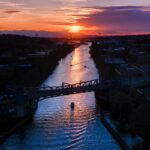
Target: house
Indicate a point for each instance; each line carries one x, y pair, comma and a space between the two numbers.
144, 93
4, 67
128, 70
140, 56
113, 60
145, 69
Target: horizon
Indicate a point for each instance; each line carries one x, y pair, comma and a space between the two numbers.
47, 34
59, 17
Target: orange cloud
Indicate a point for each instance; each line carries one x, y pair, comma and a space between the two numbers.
11, 11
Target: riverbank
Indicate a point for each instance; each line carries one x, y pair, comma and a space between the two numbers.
123, 105
14, 127
102, 111
116, 136
25, 58
41, 66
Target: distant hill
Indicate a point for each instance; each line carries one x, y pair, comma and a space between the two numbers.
35, 33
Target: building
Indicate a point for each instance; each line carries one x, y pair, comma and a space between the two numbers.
127, 70
113, 60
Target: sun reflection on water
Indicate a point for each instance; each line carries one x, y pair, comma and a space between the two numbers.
55, 126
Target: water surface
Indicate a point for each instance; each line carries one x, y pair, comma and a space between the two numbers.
55, 126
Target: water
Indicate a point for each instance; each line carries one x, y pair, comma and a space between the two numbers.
55, 126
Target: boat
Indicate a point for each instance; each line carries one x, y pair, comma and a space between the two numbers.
72, 105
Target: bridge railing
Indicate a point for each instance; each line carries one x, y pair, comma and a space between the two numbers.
76, 85
95, 82
48, 91
66, 86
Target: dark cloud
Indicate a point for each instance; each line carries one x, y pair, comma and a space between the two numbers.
121, 19
33, 33
11, 11
117, 7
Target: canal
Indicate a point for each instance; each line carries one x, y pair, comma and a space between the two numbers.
55, 126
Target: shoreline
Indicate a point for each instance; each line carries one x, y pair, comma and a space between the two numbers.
29, 117
115, 135
14, 128
122, 103
105, 75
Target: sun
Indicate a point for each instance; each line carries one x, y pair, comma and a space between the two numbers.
75, 29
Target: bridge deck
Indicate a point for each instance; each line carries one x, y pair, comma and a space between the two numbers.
66, 89
40, 93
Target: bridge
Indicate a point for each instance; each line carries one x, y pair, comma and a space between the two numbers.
41, 93
67, 89
84, 86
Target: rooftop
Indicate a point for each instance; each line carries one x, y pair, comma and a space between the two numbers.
114, 60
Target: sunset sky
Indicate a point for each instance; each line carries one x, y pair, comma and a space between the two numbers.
93, 16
